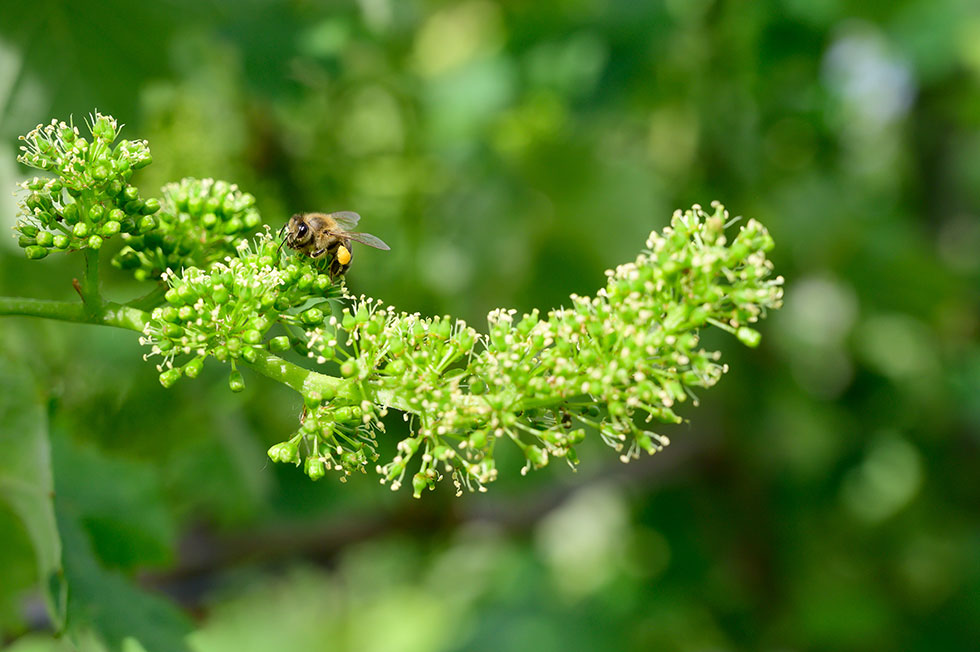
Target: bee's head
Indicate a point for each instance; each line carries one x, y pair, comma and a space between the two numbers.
298, 231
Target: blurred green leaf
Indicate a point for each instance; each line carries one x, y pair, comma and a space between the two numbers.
17, 560
118, 502
25, 478
105, 601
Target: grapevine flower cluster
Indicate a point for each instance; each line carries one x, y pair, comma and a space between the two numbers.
200, 222
90, 198
611, 364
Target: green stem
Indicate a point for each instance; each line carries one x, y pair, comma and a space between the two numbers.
151, 299
61, 310
302, 380
109, 314
91, 296
117, 315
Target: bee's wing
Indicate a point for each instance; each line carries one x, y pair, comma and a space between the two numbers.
368, 239
346, 219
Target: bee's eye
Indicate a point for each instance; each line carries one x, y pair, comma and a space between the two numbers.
301, 231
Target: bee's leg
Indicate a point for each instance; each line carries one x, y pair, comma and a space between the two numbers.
337, 269
318, 253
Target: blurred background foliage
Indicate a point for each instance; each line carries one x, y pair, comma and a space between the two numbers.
825, 494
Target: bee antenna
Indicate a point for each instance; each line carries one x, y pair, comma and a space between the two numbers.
281, 232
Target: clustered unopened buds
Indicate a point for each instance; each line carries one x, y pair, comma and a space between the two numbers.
226, 311
90, 198
200, 222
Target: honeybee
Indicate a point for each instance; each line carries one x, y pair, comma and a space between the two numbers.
321, 234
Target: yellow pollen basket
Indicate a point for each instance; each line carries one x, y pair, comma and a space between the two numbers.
343, 255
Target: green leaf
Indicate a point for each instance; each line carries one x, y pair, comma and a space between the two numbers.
25, 479
119, 503
107, 602
18, 572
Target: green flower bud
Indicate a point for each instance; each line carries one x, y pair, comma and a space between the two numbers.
537, 456
95, 242
193, 368
280, 343
286, 451
45, 238
478, 439
80, 230
220, 294
147, 223
104, 129
312, 317
187, 293
748, 336
235, 381
151, 205
419, 484
70, 213
233, 226
169, 377
110, 229
35, 252
323, 282
314, 468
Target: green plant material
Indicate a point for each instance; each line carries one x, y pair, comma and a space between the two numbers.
200, 221
105, 602
630, 351
89, 198
129, 529
26, 484
225, 311
608, 364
